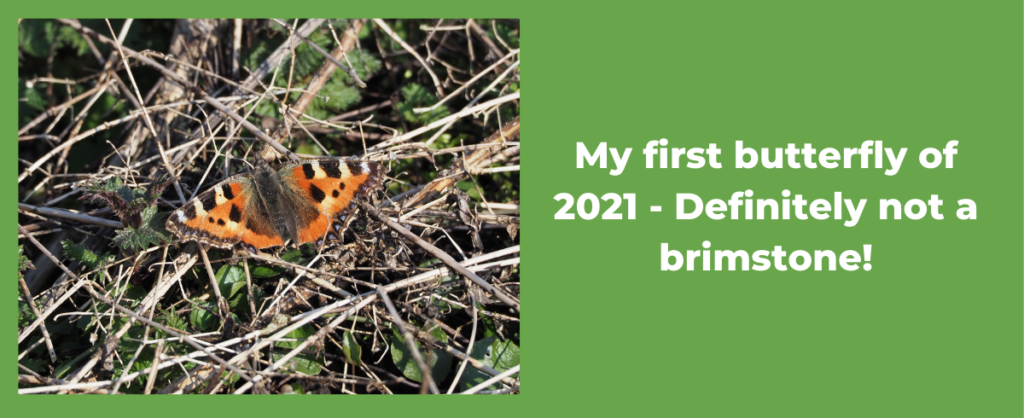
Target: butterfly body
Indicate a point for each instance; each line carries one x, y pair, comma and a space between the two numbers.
302, 202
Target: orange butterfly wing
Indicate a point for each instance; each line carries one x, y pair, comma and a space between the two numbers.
221, 217
330, 186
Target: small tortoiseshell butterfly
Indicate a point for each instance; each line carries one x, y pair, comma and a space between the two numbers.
299, 203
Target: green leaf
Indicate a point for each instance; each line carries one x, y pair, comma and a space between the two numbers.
85, 322
59, 328
363, 63
471, 376
495, 353
291, 255
25, 314
148, 213
418, 96
200, 318
229, 377
505, 355
263, 272
65, 367
228, 275
257, 55
24, 263
68, 36
258, 296
239, 296
171, 319
35, 99
304, 363
35, 365
134, 293
439, 361
429, 262
136, 208
489, 329
470, 189
35, 36
237, 290
231, 280
81, 254
351, 348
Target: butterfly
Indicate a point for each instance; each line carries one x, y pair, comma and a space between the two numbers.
302, 202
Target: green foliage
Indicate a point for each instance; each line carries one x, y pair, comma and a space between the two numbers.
508, 34
338, 93
263, 272
201, 316
231, 280
81, 254
415, 95
500, 355
505, 355
488, 326
259, 53
104, 106
130, 293
150, 233
130, 297
468, 187
171, 319
25, 314
351, 348
429, 262
36, 365
33, 97
307, 59
304, 363
36, 36
142, 364
24, 263
293, 255
499, 187
68, 36
363, 63
66, 366
126, 202
439, 361
507, 189
335, 96
136, 207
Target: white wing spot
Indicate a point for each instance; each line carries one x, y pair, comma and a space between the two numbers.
219, 197
318, 173
365, 167
181, 216
200, 212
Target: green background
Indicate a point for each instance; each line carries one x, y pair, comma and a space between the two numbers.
934, 329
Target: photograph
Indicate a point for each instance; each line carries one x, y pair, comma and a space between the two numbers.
268, 206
